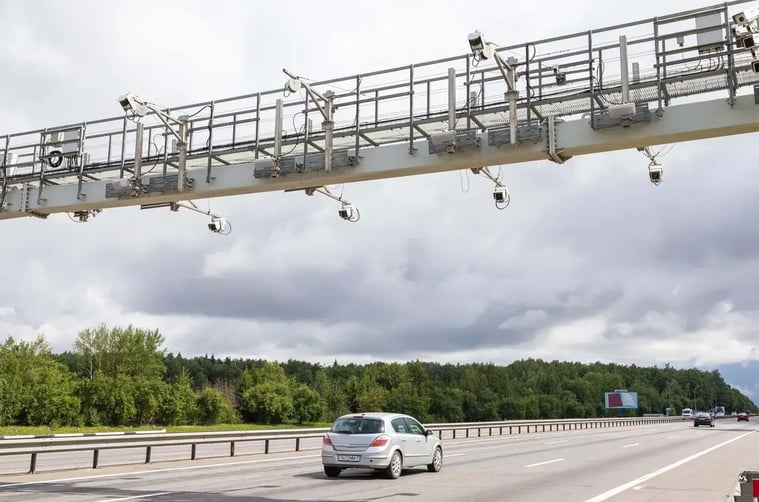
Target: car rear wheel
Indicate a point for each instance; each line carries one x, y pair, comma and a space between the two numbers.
332, 472
395, 467
437, 461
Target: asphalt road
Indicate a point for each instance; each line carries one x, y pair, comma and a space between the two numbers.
659, 462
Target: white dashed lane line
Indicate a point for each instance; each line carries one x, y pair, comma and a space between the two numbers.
546, 462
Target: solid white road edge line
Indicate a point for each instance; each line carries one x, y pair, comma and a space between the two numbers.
557, 442
630, 445
169, 469
137, 497
615, 491
546, 462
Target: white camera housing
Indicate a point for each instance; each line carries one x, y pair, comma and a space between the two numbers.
476, 43
500, 194
294, 85
217, 224
131, 102
346, 212
621, 111
745, 17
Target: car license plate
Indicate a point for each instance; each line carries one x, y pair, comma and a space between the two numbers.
349, 458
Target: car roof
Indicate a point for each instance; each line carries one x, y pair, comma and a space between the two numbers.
381, 415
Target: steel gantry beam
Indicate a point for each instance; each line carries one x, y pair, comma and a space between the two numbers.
432, 117
685, 122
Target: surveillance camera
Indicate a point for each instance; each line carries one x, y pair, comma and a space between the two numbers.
217, 224
346, 212
655, 175
293, 85
746, 16
131, 102
125, 102
561, 77
476, 42
500, 194
755, 65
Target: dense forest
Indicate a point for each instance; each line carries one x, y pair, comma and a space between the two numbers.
123, 376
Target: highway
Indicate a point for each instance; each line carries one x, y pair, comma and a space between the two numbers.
656, 462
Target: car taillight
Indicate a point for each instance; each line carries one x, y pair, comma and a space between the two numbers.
380, 441
327, 441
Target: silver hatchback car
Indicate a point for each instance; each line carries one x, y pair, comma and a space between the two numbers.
384, 441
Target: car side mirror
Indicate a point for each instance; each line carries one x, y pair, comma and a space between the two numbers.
429, 432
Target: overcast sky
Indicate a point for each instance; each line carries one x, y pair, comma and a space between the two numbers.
590, 262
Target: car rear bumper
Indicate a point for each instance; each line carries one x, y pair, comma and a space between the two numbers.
377, 460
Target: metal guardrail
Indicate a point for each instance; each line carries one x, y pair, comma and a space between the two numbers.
47, 445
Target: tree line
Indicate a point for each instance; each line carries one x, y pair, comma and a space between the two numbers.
117, 376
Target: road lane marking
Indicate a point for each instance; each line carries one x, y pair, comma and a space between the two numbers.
449, 455
630, 445
544, 463
137, 497
619, 489
557, 442
639, 487
168, 469
672, 437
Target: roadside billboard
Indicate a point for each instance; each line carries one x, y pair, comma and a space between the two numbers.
621, 400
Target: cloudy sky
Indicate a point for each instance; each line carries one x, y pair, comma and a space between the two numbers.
590, 262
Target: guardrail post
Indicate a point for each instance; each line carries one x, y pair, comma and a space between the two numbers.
467, 432
147, 454
297, 444
231, 448
454, 433
33, 466
193, 451
95, 454
479, 432
266, 446
440, 434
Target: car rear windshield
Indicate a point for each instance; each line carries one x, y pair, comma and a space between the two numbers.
358, 426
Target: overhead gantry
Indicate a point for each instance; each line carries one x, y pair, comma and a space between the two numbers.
585, 93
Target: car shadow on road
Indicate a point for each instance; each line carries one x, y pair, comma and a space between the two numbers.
357, 474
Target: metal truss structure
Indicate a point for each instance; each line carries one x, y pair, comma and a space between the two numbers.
554, 99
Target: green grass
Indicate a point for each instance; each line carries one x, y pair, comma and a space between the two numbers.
13, 430
240, 427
